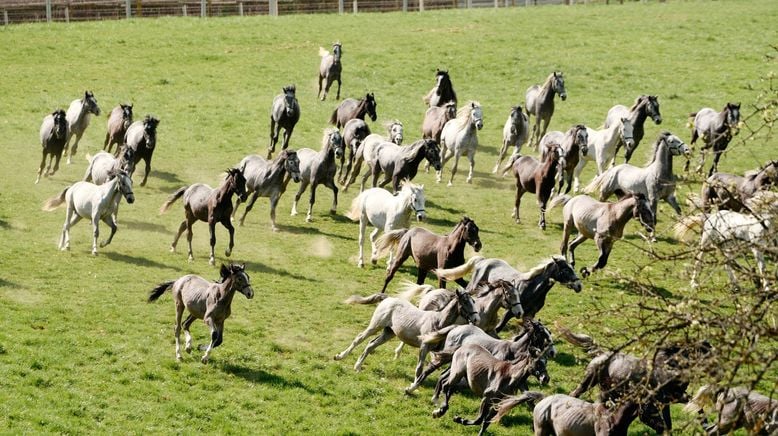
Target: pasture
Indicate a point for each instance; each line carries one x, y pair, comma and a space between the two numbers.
82, 351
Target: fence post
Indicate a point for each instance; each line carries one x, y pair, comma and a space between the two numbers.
341, 6
496, 3
48, 11
405, 5
67, 12
273, 10
203, 11
127, 9
469, 4
5, 17
421, 5
354, 6
240, 8
183, 9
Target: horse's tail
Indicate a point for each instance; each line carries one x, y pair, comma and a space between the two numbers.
702, 398
508, 166
559, 200
690, 121
685, 224
334, 117
355, 213
370, 299
388, 241
172, 199
579, 340
88, 173
55, 202
408, 290
438, 337
460, 271
511, 401
159, 290
323, 52
596, 184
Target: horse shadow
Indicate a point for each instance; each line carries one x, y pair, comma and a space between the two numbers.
139, 261
166, 176
487, 182
564, 359
4, 225
8, 284
145, 226
517, 420
260, 376
307, 230
265, 269
429, 202
441, 222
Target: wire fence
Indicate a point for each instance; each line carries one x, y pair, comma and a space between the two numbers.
23, 11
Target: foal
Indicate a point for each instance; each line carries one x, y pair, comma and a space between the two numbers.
207, 301
535, 177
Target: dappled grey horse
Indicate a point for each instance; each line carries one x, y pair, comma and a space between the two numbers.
716, 130
514, 133
729, 191
141, 137
118, 122
539, 102
645, 106
354, 133
319, 167
351, 108
400, 163
284, 113
78, 116
330, 69
54, 135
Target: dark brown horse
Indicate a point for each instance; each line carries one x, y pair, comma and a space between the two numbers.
435, 118
203, 203
330, 69
54, 135
118, 122
535, 177
443, 91
351, 108
728, 191
429, 250
574, 145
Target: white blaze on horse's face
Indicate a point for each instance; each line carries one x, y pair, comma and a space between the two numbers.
627, 133
582, 139
244, 285
559, 86
417, 202
396, 133
125, 187
478, 117
292, 165
677, 146
336, 141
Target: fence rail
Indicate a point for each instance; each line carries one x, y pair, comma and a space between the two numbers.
21, 11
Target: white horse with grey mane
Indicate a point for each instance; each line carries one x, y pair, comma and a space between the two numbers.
460, 137
602, 145
78, 116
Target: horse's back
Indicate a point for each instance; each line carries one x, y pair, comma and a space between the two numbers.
530, 98
615, 114
704, 119
134, 135
196, 199
192, 290
73, 112
47, 129
307, 158
99, 167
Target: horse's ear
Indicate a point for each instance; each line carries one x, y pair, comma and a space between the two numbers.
472, 104
224, 272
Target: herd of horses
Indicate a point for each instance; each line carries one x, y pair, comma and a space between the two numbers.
461, 327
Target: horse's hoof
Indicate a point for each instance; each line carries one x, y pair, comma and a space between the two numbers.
227, 253
585, 272
437, 413
333, 211
212, 261
469, 180
459, 420
275, 229
374, 261
450, 184
360, 264
94, 252
204, 360
190, 259
308, 219
409, 390
179, 358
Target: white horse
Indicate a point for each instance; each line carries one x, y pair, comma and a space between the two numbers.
385, 212
368, 150
87, 200
78, 115
728, 230
601, 147
656, 181
460, 136
515, 132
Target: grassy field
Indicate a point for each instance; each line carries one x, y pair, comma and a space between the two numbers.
81, 350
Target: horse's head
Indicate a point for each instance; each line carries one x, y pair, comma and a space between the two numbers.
416, 199
126, 115
675, 144
124, 184
289, 100
510, 296
563, 273
241, 281
558, 85
91, 103
237, 182
471, 233
652, 109
441, 77
60, 124
450, 110
150, 131
581, 139
642, 212
337, 50
733, 116
467, 308
128, 160
395, 130
627, 132
476, 115
537, 358
767, 175
334, 141
432, 153
291, 163
371, 105
539, 336
516, 115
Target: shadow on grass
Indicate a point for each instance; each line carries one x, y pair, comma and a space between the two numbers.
428, 203
166, 176
260, 376
564, 359
145, 226
4, 225
139, 261
309, 229
440, 221
253, 266
519, 421
7, 284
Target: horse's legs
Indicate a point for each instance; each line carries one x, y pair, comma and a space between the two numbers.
354, 172
362, 228
673, 202
572, 246
212, 231
445, 156
569, 222
189, 234
303, 185
331, 184
577, 175
287, 136
403, 251
148, 170
432, 367
274, 128
40, 169
249, 205
365, 177
337, 97
309, 216
179, 313
109, 220
385, 335
457, 155
484, 413
71, 218
760, 266
500, 156
74, 148
373, 251
604, 245
181, 229
371, 329
95, 232
273, 203
217, 330
228, 225
517, 201
187, 323
447, 387
507, 316
318, 94
471, 158
542, 206
57, 157
715, 166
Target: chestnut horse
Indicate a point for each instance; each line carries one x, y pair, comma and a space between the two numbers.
535, 177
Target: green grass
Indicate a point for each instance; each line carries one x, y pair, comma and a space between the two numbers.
81, 350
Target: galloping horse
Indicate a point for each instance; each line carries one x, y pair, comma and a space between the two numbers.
368, 150
731, 192
98, 203
354, 133
203, 203
645, 106
330, 69
539, 102
574, 145
54, 135
460, 136
118, 122
207, 301
435, 118
514, 133
429, 250
285, 113
443, 91
737, 407
351, 108
401, 163
141, 137
319, 167
601, 147
78, 115
716, 130
535, 177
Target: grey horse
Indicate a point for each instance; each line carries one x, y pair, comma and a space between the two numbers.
330, 69
78, 116
285, 113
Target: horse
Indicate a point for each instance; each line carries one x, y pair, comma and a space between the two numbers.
620, 375
285, 112
460, 136
103, 164
716, 130
141, 137
656, 181
514, 133
368, 149
536, 177
601, 221
602, 145
539, 102
731, 232
118, 122
385, 212
574, 145
330, 69
401, 163
354, 133
54, 135
78, 116
561, 414
397, 317
490, 378
737, 407
435, 118
207, 301
268, 178
443, 91
645, 106
428, 249
731, 192
319, 167
203, 203
98, 203
351, 108
535, 335
533, 286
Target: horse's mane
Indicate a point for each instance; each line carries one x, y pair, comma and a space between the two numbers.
409, 151
290, 88
408, 186
536, 271
655, 146
325, 140
388, 125
640, 100
463, 114
550, 78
